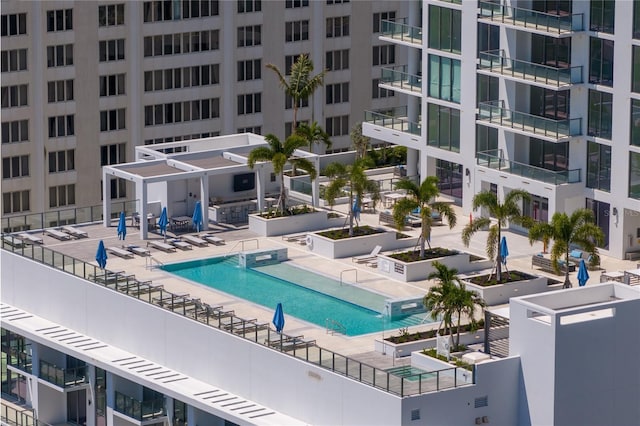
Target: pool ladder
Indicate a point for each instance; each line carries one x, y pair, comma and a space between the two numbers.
334, 327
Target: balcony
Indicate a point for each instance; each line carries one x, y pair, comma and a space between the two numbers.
20, 359
139, 410
399, 78
495, 61
493, 160
396, 31
531, 125
63, 377
395, 119
548, 23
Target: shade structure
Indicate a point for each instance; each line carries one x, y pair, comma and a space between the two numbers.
196, 219
122, 227
504, 250
278, 318
163, 221
583, 274
101, 255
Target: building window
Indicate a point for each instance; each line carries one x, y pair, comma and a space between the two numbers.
112, 85
635, 122
60, 91
14, 60
15, 167
200, 109
62, 125
250, 36
250, 103
63, 195
601, 61
337, 60
444, 127
177, 78
602, 15
296, 31
551, 51
487, 88
598, 166
289, 60
382, 16
197, 9
290, 4
378, 92
112, 120
14, 96
444, 78
159, 10
486, 138
635, 76
600, 106
602, 215
15, 202
118, 188
288, 102
110, 15
113, 154
337, 1
549, 103
247, 6
444, 29
175, 44
336, 93
549, 155
254, 129
634, 175
488, 37
59, 20
337, 27
59, 56
636, 20
384, 55
337, 126
250, 70
14, 24
111, 50
15, 131
449, 179
62, 161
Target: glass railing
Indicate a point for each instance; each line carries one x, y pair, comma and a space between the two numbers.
494, 112
401, 31
399, 77
302, 185
548, 22
63, 377
139, 410
227, 321
393, 121
496, 61
18, 416
492, 160
21, 359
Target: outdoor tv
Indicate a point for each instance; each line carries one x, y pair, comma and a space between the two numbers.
244, 182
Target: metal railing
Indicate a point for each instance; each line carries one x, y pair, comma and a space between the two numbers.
493, 160
18, 416
399, 77
250, 329
494, 112
401, 31
496, 61
333, 326
548, 22
139, 410
395, 120
62, 377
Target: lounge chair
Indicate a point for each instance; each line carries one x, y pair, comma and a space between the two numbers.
75, 232
196, 241
167, 248
58, 235
212, 239
140, 251
30, 239
180, 244
125, 254
13, 241
365, 258
297, 238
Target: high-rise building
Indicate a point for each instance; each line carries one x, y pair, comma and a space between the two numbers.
84, 82
536, 95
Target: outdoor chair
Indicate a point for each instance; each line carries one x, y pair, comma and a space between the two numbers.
367, 257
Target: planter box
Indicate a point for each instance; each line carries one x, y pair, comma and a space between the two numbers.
501, 293
291, 224
420, 270
407, 348
355, 246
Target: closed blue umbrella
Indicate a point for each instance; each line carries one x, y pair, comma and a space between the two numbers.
504, 250
101, 255
122, 227
163, 221
356, 210
197, 217
583, 275
278, 318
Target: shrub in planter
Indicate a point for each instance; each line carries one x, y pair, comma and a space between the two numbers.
431, 253
358, 231
291, 211
507, 277
404, 336
458, 363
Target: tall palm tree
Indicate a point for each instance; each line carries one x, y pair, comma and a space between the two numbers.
464, 302
301, 84
438, 298
360, 142
565, 231
279, 154
354, 177
507, 212
314, 134
422, 197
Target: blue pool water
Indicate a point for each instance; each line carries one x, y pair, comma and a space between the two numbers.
325, 299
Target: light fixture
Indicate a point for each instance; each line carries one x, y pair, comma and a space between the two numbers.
615, 211
467, 173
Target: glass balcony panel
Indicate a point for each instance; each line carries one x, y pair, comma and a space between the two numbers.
496, 61
547, 22
401, 31
63, 377
400, 78
395, 119
139, 410
493, 160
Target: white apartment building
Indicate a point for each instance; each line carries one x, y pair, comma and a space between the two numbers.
536, 95
84, 82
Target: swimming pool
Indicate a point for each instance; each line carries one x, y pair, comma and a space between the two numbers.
304, 295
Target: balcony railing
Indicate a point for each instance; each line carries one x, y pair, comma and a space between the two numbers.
400, 31
63, 377
495, 113
395, 120
21, 359
400, 78
139, 410
493, 160
547, 22
496, 61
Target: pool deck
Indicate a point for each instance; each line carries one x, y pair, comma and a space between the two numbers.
238, 238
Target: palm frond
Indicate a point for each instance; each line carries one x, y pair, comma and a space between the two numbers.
306, 165
473, 227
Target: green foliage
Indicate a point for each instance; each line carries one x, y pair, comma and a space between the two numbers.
489, 280
430, 334
291, 211
358, 231
360, 142
432, 253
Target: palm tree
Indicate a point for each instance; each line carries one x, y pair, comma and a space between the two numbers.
422, 197
464, 302
507, 212
438, 298
301, 83
314, 134
565, 231
354, 177
279, 154
360, 142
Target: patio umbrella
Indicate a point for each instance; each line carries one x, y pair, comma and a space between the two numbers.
163, 222
101, 255
197, 216
356, 210
504, 250
122, 227
583, 275
278, 318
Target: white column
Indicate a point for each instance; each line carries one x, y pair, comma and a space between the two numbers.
106, 200
260, 185
204, 196
144, 222
315, 184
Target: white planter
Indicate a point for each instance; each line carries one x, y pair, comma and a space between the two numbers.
420, 270
501, 293
289, 224
356, 246
405, 349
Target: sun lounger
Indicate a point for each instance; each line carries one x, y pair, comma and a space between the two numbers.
58, 235
180, 244
212, 239
196, 241
161, 246
125, 254
140, 251
75, 232
298, 238
30, 239
367, 257
13, 241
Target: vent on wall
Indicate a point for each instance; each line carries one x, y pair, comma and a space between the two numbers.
483, 401
415, 414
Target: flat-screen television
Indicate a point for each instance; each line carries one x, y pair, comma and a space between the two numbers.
244, 182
